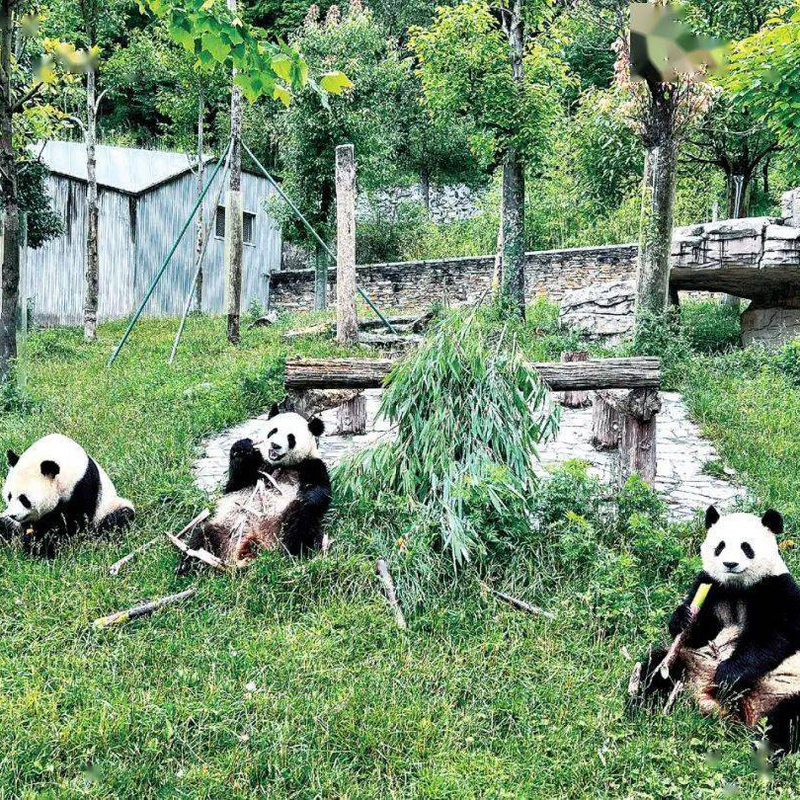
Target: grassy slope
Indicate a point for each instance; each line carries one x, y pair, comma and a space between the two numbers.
474, 700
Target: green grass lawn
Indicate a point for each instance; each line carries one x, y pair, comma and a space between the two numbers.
291, 679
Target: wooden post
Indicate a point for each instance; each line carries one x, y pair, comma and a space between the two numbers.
234, 222
346, 318
200, 226
637, 446
575, 399
606, 423
320, 279
351, 416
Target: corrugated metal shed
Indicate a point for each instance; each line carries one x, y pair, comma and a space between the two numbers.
144, 199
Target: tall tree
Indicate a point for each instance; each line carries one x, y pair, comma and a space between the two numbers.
484, 65
659, 108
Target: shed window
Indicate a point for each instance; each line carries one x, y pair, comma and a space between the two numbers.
248, 225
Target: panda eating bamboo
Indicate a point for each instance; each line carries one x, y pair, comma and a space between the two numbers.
740, 654
277, 493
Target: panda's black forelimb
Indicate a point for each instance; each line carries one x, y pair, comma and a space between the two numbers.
206, 536
8, 529
244, 466
770, 634
115, 521
706, 625
653, 685
302, 529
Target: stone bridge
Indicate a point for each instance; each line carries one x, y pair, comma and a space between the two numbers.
757, 258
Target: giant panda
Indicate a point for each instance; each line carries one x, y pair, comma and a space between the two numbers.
55, 489
277, 493
741, 654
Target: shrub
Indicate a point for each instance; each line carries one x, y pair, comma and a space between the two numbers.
710, 327
787, 361
661, 335
391, 237
468, 415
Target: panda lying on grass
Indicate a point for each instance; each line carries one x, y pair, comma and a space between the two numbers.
741, 654
53, 490
277, 493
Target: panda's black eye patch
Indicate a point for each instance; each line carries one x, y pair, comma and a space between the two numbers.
748, 551
24, 500
272, 433
292, 441
719, 548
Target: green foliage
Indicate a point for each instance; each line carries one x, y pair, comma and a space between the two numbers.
43, 223
710, 327
390, 237
787, 361
466, 73
468, 416
661, 335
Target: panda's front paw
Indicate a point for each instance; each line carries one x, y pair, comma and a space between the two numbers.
242, 449
730, 681
8, 529
680, 619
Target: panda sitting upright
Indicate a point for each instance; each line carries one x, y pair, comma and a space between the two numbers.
741, 654
53, 490
276, 496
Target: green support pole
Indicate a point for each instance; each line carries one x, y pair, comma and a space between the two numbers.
314, 233
164, 266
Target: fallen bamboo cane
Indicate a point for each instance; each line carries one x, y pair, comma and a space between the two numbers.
202, 554
676, 690
121, 617
694, 609
388, 586
118, 565
520, 605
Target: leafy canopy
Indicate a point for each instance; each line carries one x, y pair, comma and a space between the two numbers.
209, 30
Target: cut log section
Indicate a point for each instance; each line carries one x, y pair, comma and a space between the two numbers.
575, 399
363, 373
351, 417
606, 423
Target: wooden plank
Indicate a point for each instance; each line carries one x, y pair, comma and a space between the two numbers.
364, 373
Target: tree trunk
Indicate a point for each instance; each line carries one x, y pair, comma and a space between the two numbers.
320, 278
513, 203
346, 317
234, 223
425, 188
738, 191
8, 183
92, 274
513, 207
351, 416
606, 423
655, 235
200, 230
575, 399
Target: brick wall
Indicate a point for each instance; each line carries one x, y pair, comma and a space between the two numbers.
416, 284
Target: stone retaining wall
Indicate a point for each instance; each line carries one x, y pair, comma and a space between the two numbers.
416, 284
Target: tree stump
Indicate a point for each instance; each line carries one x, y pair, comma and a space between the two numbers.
575, 399
351, 417
636, 410
606, 423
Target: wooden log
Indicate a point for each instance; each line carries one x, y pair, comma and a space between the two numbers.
120, 617
606, 423
576, 399
351, 417
312, 402
346, 317
391, 595
637, 444
363, 373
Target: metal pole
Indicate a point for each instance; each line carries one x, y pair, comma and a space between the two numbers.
313, 232
164, 266
200, 257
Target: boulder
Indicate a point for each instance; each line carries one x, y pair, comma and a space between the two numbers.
771, 327
602, 311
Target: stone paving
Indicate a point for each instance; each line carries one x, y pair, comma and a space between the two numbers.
682, 452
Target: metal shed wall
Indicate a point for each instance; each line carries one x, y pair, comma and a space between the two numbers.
136, 233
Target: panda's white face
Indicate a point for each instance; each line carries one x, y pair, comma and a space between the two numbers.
290, 439
39, 478
741, 549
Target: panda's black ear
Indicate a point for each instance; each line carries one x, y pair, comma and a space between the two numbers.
50, 469
274, 411
316, 426
12, 458
773, 521
712, 516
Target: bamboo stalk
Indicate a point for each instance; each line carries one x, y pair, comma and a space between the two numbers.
121, 617
676, 690
202, 554
118, 565
520, 605
391, 595
694, 609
